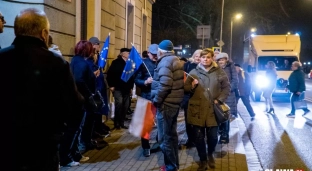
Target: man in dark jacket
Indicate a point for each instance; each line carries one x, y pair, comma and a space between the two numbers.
120, 89
167, 94
229, 68
40, 95
244, 89
296, 85
143, 80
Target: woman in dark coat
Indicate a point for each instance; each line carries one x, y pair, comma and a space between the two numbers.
230, 70
207, 84
85, 81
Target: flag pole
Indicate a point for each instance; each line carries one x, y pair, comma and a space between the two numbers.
189, 75
144, 64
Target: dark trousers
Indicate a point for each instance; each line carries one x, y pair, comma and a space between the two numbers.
188, 127
294, 97
86, 131
212, 140
98, 123
246, 102
121, 107
168, 136
145, 143
69, 147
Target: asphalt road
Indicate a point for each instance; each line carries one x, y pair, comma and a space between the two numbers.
281, 142
308, 94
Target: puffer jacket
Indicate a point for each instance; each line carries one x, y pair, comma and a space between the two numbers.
213, 85
167, 85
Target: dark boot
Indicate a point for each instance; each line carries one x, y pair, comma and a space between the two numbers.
211, 161
202, 166
224, 138
271, 111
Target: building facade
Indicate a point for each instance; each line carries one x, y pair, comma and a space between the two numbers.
128, 21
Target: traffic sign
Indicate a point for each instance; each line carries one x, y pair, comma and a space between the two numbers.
216, 49
203, 32
220, 43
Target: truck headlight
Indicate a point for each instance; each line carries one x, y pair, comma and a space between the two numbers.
262, 81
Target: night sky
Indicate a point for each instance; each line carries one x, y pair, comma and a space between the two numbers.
268, 16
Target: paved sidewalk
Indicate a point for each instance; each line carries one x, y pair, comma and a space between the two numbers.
125, 153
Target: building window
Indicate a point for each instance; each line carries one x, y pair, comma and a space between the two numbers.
130, 25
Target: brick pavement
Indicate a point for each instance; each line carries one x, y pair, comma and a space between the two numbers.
124, 153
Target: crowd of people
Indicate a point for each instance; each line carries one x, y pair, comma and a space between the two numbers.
55, 114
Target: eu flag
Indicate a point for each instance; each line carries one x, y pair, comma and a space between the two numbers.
104, 53
132, 64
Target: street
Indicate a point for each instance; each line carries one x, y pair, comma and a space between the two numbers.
309, 90
281, 142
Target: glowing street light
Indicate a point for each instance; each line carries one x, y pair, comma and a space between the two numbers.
253, 30
288, 33
237, 17
304, 63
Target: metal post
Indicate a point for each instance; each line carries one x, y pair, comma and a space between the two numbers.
203, 41
222, 9
231, 39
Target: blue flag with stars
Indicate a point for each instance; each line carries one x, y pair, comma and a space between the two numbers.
132, 64
104, 53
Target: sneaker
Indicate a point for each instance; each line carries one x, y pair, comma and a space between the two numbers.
291, 115
72, 164
84, 159
146, 152
306, 112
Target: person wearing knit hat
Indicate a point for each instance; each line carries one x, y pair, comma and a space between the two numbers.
229, 68
244, 89
222, 55
167, 95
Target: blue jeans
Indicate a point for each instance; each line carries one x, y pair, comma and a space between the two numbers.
168, 136
294, 97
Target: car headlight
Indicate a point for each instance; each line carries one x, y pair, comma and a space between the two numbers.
262, 81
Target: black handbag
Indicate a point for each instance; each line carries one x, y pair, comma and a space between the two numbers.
221, 110
96, 101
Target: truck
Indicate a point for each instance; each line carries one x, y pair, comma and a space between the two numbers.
283, 50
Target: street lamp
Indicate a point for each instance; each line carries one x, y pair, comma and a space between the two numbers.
252, 30
237, 17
